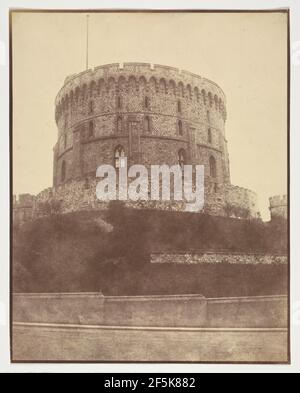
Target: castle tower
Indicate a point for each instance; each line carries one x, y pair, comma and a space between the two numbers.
153, 115
279, 207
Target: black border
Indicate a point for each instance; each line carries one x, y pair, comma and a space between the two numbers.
128, 10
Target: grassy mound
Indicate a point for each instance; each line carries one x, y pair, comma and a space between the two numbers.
109, 252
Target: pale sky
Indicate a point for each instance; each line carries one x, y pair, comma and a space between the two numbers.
246, 54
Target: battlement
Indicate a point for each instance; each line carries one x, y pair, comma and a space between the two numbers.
279, 206
23, 200
278, 200
132, 68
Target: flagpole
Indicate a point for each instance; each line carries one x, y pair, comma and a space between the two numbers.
87, 42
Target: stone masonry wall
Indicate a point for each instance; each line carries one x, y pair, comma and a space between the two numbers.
279, 207
152, 112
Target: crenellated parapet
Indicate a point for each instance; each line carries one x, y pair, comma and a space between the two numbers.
150, 114
23, 207
154, 114
279, 206
158, 79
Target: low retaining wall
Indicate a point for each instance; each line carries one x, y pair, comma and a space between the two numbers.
219, 257
170, 311
258, 311
41, 342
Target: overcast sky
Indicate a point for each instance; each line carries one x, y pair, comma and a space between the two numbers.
246, 54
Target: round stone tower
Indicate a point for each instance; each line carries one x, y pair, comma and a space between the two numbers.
151, 114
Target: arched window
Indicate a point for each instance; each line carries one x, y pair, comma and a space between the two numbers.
181, 158
63, 171
146, 124
119, 125
180, 128
119, 154
209, 135
91, 107
212, 166
179, 106
147, 102
91, 129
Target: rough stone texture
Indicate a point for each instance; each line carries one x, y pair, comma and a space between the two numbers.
23, 207
152, 112
113, 100
239, 199
213, 257
279, 207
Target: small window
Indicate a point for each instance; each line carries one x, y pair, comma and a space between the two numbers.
63, 171
180, 128
209, 136
91, 129
147, 102
119, 154
91, 107
179, 106
119, 102
212, 167
146, 124
119, 125
181, 158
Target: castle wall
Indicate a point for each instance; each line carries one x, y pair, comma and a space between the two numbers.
164, 311
240, 201
23, 208
109, 99
279, 207
153, 112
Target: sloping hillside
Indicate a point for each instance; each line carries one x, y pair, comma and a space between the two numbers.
109, 252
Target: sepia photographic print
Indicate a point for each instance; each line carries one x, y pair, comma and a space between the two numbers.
150, 186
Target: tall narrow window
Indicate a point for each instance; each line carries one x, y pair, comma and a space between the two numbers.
119, 155
63, 171
119, 125
209, 136
212, 167
119, 102
91, 129
179, 106
147, 102
91, 107
146, 124
181, 158
208, 116
180, 128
